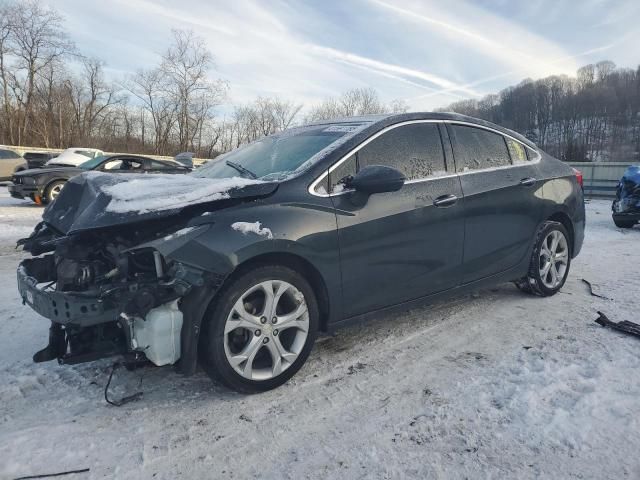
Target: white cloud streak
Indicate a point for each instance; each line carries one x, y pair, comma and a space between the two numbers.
357, 60
531, 59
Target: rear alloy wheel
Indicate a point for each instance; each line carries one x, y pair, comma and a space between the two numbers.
53, 190
550, 261
261, 330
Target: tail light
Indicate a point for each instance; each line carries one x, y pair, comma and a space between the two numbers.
579, 177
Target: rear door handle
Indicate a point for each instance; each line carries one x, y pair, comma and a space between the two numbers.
445, 201
528, 182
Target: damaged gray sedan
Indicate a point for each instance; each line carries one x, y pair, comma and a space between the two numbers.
241, 263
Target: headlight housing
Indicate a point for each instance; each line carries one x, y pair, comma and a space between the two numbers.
28, 181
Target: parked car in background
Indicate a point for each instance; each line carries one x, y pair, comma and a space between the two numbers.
626, 206
75, 156
243, 262
35, 160
9, 161
42, 185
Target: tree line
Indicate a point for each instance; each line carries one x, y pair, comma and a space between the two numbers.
54, 96
594, 116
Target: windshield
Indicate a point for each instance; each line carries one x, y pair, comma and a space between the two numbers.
278, 156
93, 163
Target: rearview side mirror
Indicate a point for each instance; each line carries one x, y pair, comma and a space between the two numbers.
377, 179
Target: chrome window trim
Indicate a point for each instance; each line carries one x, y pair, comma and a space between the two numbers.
324, 174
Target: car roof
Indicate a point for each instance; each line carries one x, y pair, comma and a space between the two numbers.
387, 119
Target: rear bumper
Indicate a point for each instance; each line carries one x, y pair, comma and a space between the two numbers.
627, 216
23, 191
60, 307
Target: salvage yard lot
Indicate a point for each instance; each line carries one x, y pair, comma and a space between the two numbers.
494, 384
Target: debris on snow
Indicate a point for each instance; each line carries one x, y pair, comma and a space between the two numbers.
625, 326
593, 294
57, 474
255, 227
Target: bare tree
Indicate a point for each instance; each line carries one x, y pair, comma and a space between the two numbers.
186, 65
38, 40
6, 29
357, 101
592, 117
92, 97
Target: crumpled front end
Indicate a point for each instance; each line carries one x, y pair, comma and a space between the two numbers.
109, 293
627, 202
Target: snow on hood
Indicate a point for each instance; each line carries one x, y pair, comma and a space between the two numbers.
96, 200
144, 194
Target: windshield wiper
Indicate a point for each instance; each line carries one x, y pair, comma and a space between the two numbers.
241, 169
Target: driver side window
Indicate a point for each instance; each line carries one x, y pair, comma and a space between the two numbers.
123, 165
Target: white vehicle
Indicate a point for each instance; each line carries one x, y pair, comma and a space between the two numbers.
75, 156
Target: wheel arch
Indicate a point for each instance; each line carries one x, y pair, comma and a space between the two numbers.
51, 181
300, 265
565, 220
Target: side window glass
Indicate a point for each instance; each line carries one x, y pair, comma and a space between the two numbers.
415, 150
477, 148
517, 151
338, 176
155, 165
322, 188
112, 165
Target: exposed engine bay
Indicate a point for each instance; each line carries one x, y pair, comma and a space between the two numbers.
106, 297
131, 280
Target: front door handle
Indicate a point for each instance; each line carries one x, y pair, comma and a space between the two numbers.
445, 201
528, 182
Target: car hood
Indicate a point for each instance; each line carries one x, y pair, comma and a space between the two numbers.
100, 200
43, 171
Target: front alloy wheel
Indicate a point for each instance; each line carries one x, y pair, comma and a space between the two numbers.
260, 329
266, 330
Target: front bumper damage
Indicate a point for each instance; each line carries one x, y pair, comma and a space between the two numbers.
22, 191
96, 306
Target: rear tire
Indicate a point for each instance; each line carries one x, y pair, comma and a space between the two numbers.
550, 261
620, 223
253, 340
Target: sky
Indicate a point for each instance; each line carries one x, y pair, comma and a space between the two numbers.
427, 53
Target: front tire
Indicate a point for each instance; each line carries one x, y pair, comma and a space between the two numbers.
53, 190
260, 329
550, 261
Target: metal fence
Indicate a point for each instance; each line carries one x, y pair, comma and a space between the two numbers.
601, 178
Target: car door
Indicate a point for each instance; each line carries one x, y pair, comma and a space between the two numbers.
501, 197
399, 246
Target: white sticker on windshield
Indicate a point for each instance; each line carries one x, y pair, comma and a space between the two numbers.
342, 128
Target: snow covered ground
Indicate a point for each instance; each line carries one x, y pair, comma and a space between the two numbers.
491, 385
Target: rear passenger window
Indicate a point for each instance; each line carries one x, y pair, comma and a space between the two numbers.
415, 150
517, 151
477, 148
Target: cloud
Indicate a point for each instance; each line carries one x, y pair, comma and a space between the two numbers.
376, 65
530, 56
427, 50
